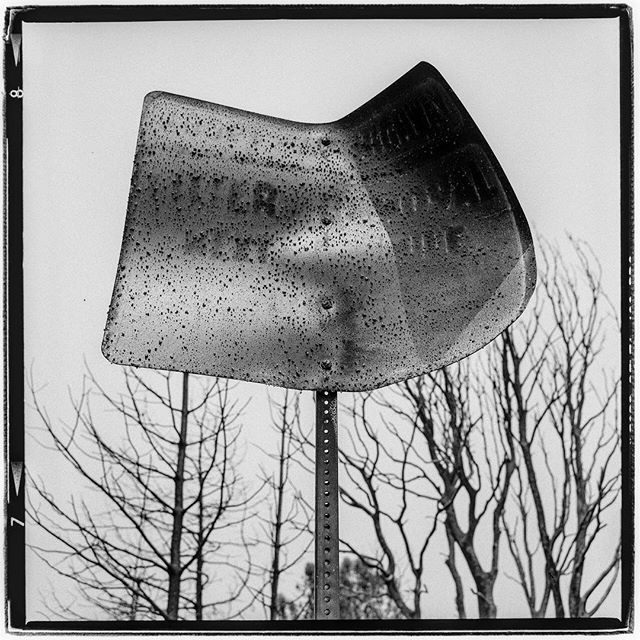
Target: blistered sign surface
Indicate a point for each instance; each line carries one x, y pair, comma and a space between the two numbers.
341, 256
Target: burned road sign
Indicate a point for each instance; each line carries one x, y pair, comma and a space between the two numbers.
341, 256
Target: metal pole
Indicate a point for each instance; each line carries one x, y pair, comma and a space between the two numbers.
327, 579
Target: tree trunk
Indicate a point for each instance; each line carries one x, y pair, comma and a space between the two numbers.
484, 580
275, 565
552, 570
173, 597
455, 574
553, 576
200, 558
576, 604
486, 603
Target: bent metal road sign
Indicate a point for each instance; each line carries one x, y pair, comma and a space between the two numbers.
341, 256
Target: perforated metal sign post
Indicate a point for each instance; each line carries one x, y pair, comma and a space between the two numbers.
327, 575
337, 257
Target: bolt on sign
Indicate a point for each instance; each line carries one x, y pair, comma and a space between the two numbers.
334, 257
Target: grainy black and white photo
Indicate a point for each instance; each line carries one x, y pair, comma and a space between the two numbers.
324, 319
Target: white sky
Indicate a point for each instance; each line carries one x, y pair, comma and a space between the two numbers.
544, 94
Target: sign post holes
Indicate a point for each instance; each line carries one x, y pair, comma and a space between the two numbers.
327, 567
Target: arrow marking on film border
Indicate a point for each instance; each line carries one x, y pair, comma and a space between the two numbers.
16, 41
16, 472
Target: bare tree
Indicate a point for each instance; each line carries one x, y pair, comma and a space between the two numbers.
384, 482
564, 412
378, 482
467, 462
417, 455
161, 496
285, 527
519, 441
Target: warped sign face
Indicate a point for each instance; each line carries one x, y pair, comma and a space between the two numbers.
342, 256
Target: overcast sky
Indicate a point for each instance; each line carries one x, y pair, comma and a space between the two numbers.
544, 94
